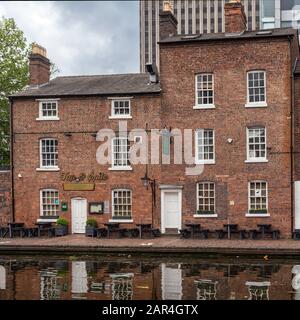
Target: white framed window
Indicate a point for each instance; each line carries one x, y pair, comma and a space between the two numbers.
205, 146
49, 203
48, 110
121, 109
122, 204
120, 154
256, 89
256, 145
49, 153
206, 202
204, 91
258, 198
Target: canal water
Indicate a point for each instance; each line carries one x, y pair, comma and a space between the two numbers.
153, 278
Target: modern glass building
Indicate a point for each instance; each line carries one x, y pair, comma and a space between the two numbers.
194, 16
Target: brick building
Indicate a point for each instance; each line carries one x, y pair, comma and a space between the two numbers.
235, 90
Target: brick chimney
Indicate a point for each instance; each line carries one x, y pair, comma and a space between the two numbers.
235, 18
167, 22
39, 66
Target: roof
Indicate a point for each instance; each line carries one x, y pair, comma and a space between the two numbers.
272, 33
117, 84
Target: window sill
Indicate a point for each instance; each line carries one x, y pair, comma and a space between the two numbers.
120, 221
120, 168
119, 117
256, 105
204, 106
47, 220
206, 162
205, 216
47, 119
258, 215
257, 161
48, 169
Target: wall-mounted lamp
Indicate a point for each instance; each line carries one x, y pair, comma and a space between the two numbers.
20, 176
152, 183
230, 140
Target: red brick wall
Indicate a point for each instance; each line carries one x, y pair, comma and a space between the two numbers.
77, 154
230, 61
5, 197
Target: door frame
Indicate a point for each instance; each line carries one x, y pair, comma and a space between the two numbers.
77, 198
163, 192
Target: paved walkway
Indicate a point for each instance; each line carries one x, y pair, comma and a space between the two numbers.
80, 243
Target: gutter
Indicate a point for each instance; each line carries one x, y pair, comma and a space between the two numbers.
12, 160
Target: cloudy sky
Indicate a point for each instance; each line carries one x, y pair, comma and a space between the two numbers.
82, 37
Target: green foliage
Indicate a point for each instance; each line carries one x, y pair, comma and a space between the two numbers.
91, 223
13, 75
62, 222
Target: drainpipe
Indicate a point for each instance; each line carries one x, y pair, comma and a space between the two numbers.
12, 161
292, 140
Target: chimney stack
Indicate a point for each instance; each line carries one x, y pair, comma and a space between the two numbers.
235, 18
167, 22
39, 66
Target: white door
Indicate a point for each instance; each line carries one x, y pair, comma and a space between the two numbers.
2, 278
79, 215
171, 282
171, 211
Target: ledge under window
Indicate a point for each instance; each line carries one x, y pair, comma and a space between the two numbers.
205, 215
47, 119
48, 169
125, 168
205, 162
121, 220
204, 106
120, 117
256, 105
42, 219
257, 215
256, 161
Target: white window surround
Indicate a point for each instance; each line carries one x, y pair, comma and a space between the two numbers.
54, 210
50, 167
123, 203
211, 215
260, 104
120, 116
257, 215
204, 161
256, 160
203, 105
122, 156
47, 118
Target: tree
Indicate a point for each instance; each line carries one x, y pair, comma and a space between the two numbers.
14, 74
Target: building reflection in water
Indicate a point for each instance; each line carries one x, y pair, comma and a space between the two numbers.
206, 289
258, 290
2, 278
122, 286
171, 282
296, 281
79, 280
50, 288
159, 279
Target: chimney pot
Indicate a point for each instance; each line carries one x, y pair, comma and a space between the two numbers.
39, 66
168, 6
235, 17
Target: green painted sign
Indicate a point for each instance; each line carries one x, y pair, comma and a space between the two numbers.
64, 206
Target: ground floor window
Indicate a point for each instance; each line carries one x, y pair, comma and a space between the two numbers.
206, 198
49, 200
258, 197
122, 204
